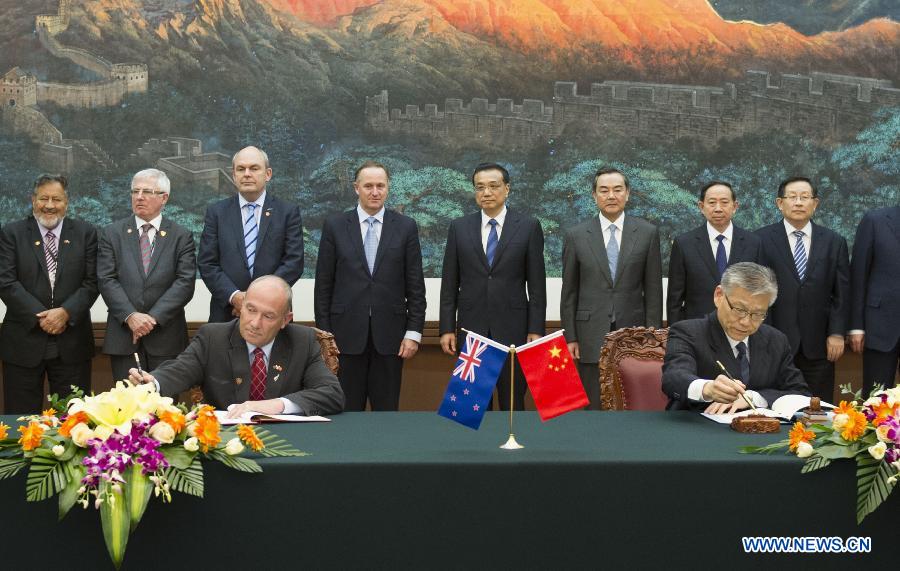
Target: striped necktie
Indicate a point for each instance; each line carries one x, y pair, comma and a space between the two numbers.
612, 252
251, 232
146, 247
800, 255
51, 255
493, 240
371, 243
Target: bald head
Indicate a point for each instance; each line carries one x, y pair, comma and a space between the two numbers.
266, 310
251, 172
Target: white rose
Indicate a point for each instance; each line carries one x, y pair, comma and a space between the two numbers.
162, 432
192, 429
840, 421
234, 447
58, 450
877, 451
103, 432
893, 394
881, 432
80, 434
191, 444
804, 450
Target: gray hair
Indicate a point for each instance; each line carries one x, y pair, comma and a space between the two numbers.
261, 152
162, 181
286, 287
754, 278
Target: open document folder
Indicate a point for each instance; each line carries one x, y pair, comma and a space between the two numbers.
259, 418
784, 409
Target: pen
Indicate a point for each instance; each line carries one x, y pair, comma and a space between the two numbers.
724, 370
137, 360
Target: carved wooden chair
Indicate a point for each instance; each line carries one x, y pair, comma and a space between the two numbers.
327, 346
631, 369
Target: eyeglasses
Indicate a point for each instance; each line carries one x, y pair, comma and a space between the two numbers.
742, 313
801, 198
147, 191
493, 187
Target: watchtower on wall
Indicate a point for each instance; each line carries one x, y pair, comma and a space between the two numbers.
18, 88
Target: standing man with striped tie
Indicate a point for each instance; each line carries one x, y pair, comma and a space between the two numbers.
48, 281
146, 269
812, 265
247, 236
370, 292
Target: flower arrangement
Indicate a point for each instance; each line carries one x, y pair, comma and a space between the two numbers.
117, 449
868, 433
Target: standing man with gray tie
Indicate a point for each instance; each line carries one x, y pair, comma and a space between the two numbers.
48, 281
612, 277
247, 236
146, 268
370, 292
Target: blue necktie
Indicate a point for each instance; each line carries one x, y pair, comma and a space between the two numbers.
800, 255
721, 257
744, 363
612, 251
371, 243
491, 242
251, 231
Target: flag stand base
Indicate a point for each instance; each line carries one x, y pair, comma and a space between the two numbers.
511, 444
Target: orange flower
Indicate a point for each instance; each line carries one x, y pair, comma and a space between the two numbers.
249, 437
49, 412
799, 434
31, 435
206, 428
3, 431
856, 421
884, 412
174, 419
65, 429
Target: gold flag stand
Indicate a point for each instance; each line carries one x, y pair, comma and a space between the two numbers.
511, 443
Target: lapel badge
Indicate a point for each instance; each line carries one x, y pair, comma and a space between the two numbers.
37, 243
238, 381
162, 233
129, 230
66, 242
268, 213
278, 368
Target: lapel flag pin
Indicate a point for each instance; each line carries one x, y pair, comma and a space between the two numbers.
162, 232
37, 243
129, 230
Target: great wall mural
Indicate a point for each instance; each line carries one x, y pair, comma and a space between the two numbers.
674, 93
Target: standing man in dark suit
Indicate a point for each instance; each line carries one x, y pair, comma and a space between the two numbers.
48, 281
699, 257
813, 270
370, 292
493, 258
259, 363
246, 236
758, 356
146, 268
875, 306
611, 277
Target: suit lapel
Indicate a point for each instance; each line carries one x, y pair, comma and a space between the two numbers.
34, 237
473, 231
388, 235
354, 233
817, 248
626, 245
240, 365
721, 348
131, 236
278, 360
66, 240
701, 242
265, 217
783, 246
511, 226
233, 221
595, 241
758, 346
160, 243
893, 218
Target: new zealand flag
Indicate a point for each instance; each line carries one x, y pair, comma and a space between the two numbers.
473, 380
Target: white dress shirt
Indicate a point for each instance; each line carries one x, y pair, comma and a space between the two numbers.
714, 243
619, 223
792, 240
57, 233
695, 389
257, 213
486, 227
139, 222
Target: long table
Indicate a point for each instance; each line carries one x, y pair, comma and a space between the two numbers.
415, 491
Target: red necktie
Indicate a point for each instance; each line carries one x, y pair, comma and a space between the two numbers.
146, 248
258, 371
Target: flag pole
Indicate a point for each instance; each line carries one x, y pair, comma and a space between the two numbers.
511, 443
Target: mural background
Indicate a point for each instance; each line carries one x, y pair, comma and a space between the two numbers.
673, 92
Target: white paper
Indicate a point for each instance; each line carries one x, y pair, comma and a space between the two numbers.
727, 418
247, 418
784, 408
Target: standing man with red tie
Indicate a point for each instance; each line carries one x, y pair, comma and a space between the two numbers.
48, 281
493, 280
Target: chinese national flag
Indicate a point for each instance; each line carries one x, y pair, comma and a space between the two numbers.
552, 376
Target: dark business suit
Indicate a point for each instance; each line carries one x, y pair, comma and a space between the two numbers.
369, 314
695, 345
875, 305
809, 311
28, 352
218, 359
592, 300
492, 301
222, 258
693, 275
162, 293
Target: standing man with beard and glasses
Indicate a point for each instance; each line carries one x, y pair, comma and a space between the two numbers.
48, 281
146, 268
699, 257
246, 236
493, 280
813, 270
875, 303
611, 277
370, 292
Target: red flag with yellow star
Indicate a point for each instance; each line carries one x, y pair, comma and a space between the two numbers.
552, 376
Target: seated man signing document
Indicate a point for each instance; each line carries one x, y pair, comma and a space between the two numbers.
261, 362
757, 357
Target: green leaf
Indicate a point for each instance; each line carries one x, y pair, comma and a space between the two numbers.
813, 463
138, 489
774, 447
236, 462
46, 477
188, 481
9, 467
177, 456
114, 518
835, 451
75, 471
276, 446
871, 485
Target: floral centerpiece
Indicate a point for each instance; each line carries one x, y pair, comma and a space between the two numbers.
868, 433
117, 449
